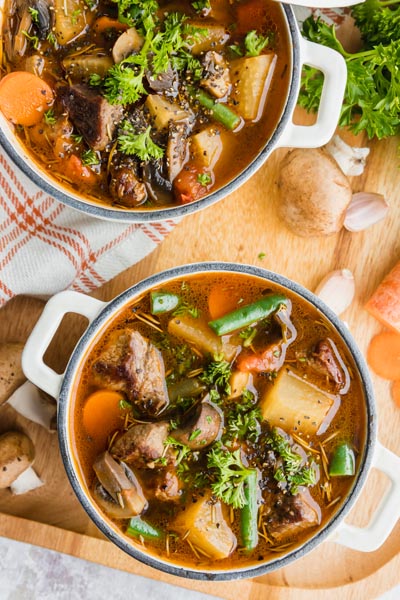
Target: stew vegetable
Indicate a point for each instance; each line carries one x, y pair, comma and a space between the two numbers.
139, 103
227, 439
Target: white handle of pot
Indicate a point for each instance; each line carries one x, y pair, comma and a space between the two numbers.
371, 537
333, 66
43, 332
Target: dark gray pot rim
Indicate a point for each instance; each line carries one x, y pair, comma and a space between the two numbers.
112, 307
142, 216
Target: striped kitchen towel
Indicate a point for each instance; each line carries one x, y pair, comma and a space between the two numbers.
46, 247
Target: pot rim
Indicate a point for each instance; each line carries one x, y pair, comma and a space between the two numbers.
111, 309
34, 172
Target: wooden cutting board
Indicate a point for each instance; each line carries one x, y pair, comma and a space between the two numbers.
240, 228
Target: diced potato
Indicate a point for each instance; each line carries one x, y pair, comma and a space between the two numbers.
163, 112
250, 80
208, 529
84, 65
238, 381
206, 146
294, 404
215, 37
70, 20
197, 332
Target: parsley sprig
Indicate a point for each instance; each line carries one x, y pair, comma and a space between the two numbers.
371, 102
243, 419
138, 144
378, 21
230, 475
217, 374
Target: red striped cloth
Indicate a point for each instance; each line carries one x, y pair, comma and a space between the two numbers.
46, 247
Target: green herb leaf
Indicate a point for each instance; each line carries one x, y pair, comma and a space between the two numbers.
204, 179
34, 40
34, 14
138, 144
90, 158
218, 373
230, 476
49, 117
255, 43
294, 472
183, 450
95, 80
201, 5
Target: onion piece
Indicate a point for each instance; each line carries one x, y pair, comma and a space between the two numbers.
350, 159
364, 210
28, 401
27, 481
337, 290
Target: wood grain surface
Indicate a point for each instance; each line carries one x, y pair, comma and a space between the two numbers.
238, 228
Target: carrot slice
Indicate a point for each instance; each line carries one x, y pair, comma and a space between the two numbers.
383, 355
396, 392
24, 97
384, 304
102, 413
222, 300
106, 23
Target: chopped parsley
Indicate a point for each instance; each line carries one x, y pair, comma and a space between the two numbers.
243, 420
74, 16
204, 179
293, 472
255, 43
49, 117
201, 5
217, 374
185, 308
90, 158
138, 144
182, 450
248, 335
95, 80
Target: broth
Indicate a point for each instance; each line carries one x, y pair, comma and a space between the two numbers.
92, 139
244, 456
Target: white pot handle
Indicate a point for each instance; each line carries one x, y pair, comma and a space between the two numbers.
333, 66
42, 334
371, 537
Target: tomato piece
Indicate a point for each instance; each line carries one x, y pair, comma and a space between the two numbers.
187, 187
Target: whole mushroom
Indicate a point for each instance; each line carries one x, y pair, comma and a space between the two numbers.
314, 192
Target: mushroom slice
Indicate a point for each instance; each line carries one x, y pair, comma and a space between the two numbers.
17, 454
128, 43
177, 149
112, 476
202, 428
111, 508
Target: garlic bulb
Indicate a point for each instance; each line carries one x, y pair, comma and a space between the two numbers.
337, 290
364, 210
349, 158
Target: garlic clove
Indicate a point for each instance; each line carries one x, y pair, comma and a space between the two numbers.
28, 402
364, 210
26, 482
337, 290
350, 159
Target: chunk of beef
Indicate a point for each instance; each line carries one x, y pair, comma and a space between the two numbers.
132, 364
94, 118
143, 444
126, 187
326, 362
201, 429
127, 492
164, 485
290, 514
216, 74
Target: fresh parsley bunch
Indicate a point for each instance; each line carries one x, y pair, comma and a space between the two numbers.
372, 96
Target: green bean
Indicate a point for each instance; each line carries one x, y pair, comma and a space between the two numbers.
246, 315
220, 112
139, 528
162, 302
342, 462
249, 513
